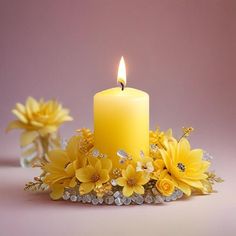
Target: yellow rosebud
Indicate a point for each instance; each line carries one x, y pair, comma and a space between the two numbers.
165, 187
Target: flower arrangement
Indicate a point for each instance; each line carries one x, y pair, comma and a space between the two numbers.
40, 121
80, 173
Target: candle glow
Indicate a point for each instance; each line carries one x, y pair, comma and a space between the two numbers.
121, 77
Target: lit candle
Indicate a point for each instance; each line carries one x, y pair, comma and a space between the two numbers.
121, 119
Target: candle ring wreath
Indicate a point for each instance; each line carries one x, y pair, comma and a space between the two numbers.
78, 172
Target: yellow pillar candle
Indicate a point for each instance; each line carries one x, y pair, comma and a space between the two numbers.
121, 119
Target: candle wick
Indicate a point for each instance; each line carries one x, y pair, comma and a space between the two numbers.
122, 86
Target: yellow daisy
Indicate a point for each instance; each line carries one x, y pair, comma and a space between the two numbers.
186, 167
60, 170
132, 181
38, 118
93, 175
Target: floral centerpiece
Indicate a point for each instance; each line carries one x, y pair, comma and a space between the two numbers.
80, 173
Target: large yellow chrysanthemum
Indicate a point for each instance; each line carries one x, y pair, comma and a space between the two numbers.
132, 181
38, 118
185, 166
60, 170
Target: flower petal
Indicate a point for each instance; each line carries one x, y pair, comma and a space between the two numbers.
16, 124
57, 191
184, 187
127, 191
84, 174
129, 172
20, 116
86, 187
58, 157
139, 189
104, 176
28, 137
121, 181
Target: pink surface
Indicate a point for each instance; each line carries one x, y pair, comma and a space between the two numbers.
25, 213
182, 52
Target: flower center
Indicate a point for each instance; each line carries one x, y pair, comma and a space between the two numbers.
181, 167
131, 182
95, 178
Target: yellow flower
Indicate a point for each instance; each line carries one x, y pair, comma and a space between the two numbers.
87, 140
132, 181
165, 185
60, 170
160, 138
185, 166
93, 175
38, 118
159, 166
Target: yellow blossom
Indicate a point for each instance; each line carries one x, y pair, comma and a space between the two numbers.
60, 170
93, 175
38, 118
165, 185
186, 167
132, 181
160, 138
159, 165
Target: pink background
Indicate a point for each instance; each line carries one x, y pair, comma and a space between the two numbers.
182, 52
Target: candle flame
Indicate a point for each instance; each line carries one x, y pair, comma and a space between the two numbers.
121, 77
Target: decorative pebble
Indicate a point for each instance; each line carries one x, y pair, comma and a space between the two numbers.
167, 198
113, 182
117, 194
73, 198
118, 201
148, 199
84, 199
95, 201
154, 191
139, 199
109, 200
100, 200
174, 196
158, 199
127, 201
95, 153
79, 198
66, 196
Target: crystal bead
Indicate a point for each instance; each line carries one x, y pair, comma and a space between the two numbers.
95, 201
100, 200
88, 198
167, 198
180, 195
73, 198
118, 201
158, 199
66, 196
113, 182
148, 199
139, 199
79, 198
95, 153
84, 199
117, 194
174, 196
127, 201
154, 191
109, 200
